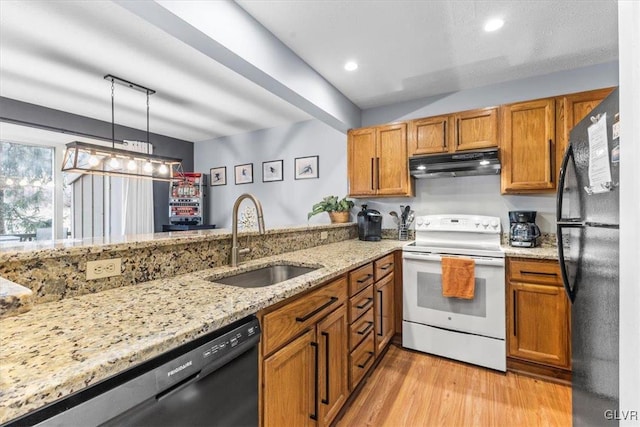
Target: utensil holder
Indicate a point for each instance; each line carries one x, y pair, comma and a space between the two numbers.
403, 232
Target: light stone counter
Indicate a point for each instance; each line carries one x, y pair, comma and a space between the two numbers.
61, 347
541, 252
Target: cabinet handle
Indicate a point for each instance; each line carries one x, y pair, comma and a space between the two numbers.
372, 171
444, 132
317, 310
365, 278
367, 329
314, 416
515, 315
361, 306
551, 162
386, 266
539, 273
366, 361
377, 173
381, 320
457, 133
326, 371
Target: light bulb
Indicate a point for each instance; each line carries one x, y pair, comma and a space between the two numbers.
50, 183
148, 167
163, 169
23, 182
114, 163
37, 183
93, 160
9, 181
132, 165
484, 162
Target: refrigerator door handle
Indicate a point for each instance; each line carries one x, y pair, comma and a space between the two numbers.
568, 287
563, 172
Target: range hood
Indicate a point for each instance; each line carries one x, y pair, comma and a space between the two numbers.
479, 162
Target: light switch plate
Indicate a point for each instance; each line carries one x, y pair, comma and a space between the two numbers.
324, 235
104, 268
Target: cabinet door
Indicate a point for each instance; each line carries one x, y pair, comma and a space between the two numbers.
289, 384
361, 153
392, 164
574, 108
528, 151
429, 136
383, 312
539, 324
332, 365
476, 129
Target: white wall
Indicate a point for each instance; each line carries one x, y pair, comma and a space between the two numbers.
629, 46
285, 202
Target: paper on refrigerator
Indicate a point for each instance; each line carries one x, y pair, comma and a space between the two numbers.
599, 166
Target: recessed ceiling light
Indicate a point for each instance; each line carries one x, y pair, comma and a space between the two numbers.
351, 66
493, 24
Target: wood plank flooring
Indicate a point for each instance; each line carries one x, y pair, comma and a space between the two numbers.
414, 389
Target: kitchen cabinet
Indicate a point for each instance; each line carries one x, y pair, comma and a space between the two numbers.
371, 314
528, 153
538, 318
305, 358
467, 130
384, 313
377, 161
571, 109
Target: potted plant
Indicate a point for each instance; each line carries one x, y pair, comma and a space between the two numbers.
338, 210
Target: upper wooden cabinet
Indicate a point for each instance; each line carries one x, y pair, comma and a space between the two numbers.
528, 151
570, 109
467, 130
377, 161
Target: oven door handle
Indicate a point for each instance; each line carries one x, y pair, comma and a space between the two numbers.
497, 262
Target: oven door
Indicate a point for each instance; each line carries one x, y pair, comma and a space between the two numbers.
423, 301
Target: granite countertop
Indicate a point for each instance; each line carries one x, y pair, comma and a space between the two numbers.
540, 252
61, 347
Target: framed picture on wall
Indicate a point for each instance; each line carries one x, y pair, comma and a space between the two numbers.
272, 171
306, 167
244, 173
218, 176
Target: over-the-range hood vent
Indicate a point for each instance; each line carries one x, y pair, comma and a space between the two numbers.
479, 162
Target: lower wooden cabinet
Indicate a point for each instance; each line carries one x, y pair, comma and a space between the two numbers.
538, 316
305, 380
384, 313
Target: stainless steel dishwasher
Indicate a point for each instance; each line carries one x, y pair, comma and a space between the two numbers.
211, 381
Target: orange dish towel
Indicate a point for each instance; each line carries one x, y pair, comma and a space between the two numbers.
458, 277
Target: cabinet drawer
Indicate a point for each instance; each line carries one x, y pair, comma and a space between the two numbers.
286, 322
383, 266
360, 303
360, 278
360, 328
361, 360
531, 271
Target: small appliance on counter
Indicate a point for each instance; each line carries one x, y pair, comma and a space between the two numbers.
369, 225
524, 232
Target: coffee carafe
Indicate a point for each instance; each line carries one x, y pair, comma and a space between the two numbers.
524, 232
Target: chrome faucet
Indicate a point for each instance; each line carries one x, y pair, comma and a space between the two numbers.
235, 250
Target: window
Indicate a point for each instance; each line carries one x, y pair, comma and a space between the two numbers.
26, 192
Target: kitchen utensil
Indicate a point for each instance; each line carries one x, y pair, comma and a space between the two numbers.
394, 214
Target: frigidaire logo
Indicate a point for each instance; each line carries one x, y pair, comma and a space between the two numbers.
179, 368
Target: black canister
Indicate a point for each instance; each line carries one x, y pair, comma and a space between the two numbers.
369, 225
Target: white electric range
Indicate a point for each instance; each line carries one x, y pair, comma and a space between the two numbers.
472, 330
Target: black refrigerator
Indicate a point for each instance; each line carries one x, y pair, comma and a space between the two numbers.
588, 234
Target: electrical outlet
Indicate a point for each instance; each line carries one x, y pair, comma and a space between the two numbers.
104, 268
324, 235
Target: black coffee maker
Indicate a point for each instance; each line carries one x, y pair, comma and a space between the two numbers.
524, 232
369, 225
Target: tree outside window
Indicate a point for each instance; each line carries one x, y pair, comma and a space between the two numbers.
26, 188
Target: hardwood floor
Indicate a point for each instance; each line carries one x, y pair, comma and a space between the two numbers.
415, 389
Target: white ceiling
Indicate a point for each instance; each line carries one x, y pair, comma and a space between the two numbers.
55, 54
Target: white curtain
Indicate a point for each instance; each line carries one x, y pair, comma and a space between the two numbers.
137, 198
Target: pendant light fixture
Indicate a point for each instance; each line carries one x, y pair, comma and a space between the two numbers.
85, 158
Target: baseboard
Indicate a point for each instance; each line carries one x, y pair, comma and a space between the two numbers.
535, 370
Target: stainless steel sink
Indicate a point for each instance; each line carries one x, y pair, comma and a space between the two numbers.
265, 276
